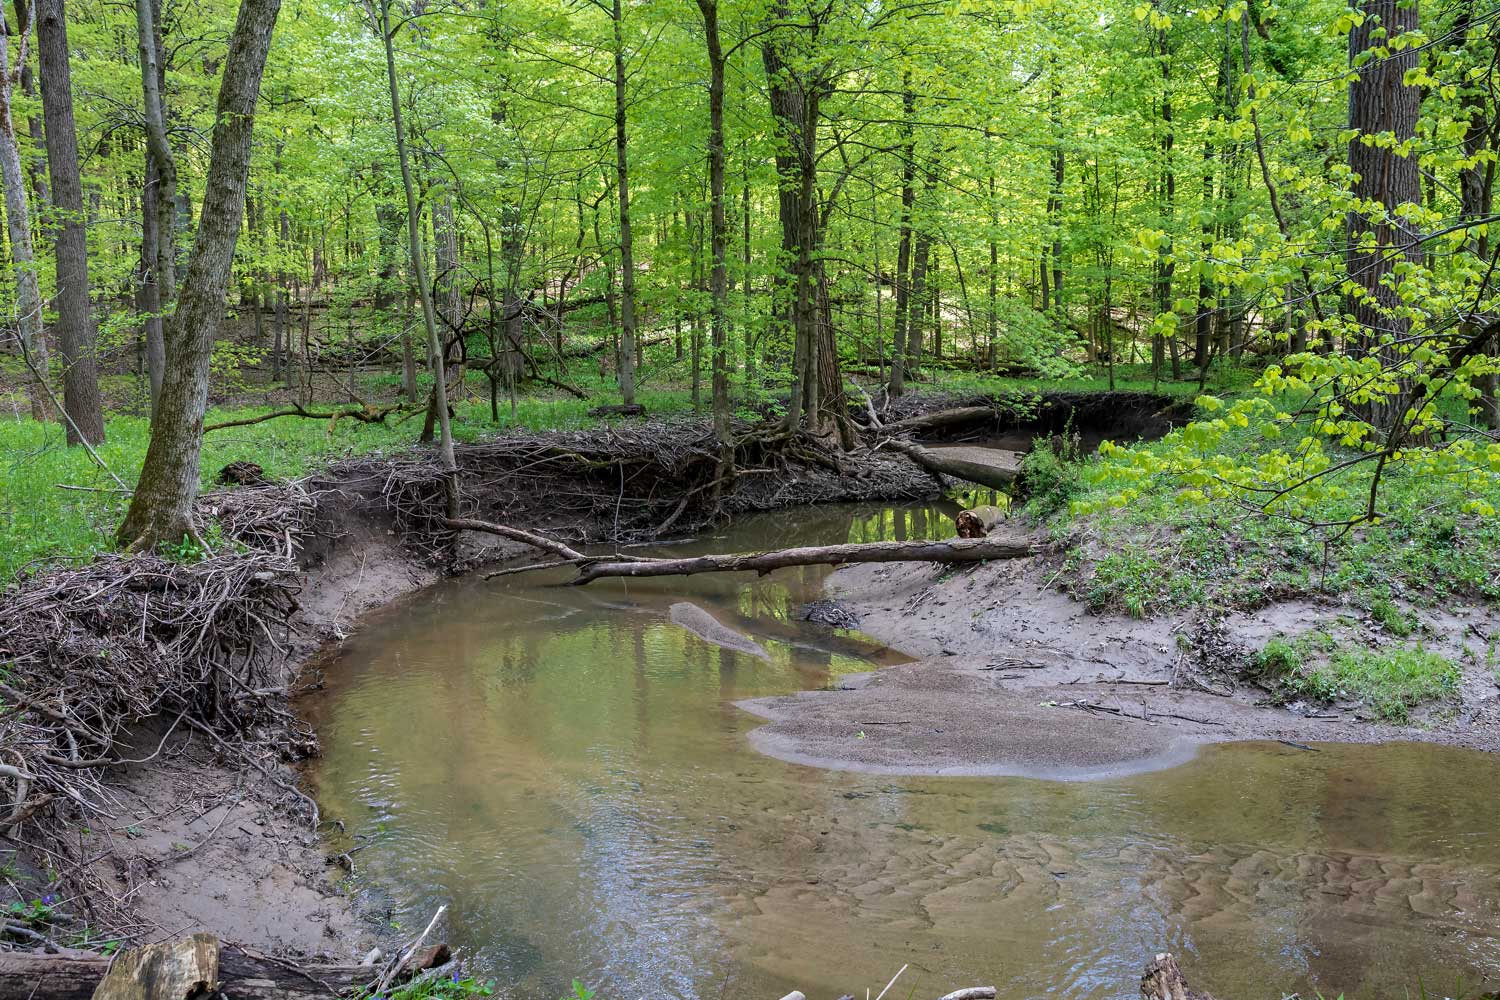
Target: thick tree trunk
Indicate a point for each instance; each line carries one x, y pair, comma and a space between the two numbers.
1476, 183
1380, 101
75, 325
161, 510
33, 342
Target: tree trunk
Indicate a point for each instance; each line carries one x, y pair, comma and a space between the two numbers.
1476, 197
36, 166
1380, 101
627, 247
903, 247
161, 510
160, 257
33, 341
436, 348
75, 325
718, 223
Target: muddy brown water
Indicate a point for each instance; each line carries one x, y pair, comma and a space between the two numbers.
564, 768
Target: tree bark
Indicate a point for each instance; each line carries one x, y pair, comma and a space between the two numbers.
159, 243
959, 550
903, 247
33, 340
718, 280
1380, 101
627, 246
435, 344
161, 510
990, 467
76, 336
242, 975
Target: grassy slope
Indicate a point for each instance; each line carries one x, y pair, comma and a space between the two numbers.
1158, 554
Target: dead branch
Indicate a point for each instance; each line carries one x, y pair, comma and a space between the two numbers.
364, 414
959, 550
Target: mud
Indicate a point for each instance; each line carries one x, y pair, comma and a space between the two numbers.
1016, 677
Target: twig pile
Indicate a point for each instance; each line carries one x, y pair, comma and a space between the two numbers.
627, 484
87, 652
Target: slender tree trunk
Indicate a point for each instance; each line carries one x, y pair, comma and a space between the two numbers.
76, 336
627, 247
161, 510
718, 224
159, 259
917, 307
903, 246
33, 341
36, 164
435, 345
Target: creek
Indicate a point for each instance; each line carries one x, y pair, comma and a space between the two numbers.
565, 768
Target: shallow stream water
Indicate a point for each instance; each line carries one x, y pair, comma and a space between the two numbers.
564, 768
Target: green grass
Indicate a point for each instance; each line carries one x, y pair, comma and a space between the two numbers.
1391, 682
1158, 553
57, 507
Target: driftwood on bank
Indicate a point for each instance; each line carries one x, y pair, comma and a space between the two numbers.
978, 521
240, 974
990, 467
167, 970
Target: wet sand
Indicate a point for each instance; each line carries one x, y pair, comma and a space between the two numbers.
1017, 678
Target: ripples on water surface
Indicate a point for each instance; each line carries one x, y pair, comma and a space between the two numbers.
564, 768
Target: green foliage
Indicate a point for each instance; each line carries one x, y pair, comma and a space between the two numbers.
454, 987
1050, 477
1390, 681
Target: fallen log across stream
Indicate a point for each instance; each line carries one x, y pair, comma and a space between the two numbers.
590, 568
990, 467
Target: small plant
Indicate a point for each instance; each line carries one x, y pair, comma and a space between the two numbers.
1391, 617
37, 913
454, 987
580, 992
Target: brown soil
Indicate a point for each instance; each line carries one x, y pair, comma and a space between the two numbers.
1016, 677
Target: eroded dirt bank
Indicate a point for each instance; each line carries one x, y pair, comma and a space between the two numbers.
1016, 677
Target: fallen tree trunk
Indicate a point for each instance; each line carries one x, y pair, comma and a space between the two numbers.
986, 466
942, 418
242, 975
958, 550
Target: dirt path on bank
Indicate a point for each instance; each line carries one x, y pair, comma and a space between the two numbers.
1015, 677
